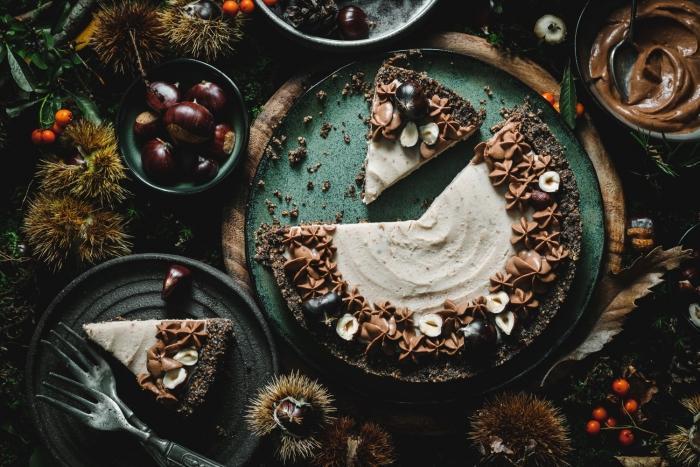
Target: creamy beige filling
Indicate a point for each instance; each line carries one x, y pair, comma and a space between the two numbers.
450, 252
387, 163
128, 341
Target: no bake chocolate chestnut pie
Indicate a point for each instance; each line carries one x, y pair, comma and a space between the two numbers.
467, 285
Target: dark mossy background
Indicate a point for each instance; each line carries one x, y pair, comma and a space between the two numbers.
191, 227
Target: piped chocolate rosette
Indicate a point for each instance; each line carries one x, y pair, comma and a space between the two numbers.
524, 167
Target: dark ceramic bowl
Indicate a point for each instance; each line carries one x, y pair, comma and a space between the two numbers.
392, 20
186, 72
590, 22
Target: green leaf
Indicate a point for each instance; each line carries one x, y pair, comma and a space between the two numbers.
88, 108
47, 112
17, 72
38, 62
14, 111
567, 98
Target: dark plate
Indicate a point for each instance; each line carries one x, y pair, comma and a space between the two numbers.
130, 287
187, 72
591, 20
341, 161
393, 19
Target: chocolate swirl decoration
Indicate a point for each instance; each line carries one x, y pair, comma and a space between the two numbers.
664, 92
507, 144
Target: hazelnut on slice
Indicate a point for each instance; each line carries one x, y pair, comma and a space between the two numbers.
430, 324
174, 378
497, 302
347, 326
409, 135
506, 322
429, 133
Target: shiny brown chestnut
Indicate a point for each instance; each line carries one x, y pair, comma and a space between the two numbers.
204, 9
209, 95
353, 23
223, 142
205, 170
158, 160
189, 122
411, 101
146, 124
161, 95
479, 334
691, 274
176, 280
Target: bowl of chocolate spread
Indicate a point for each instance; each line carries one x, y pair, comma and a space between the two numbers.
665, 87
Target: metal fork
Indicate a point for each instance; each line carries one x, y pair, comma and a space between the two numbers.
104, 410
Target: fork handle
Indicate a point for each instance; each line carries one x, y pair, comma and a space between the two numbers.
172, 454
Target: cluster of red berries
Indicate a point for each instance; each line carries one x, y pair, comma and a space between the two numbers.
232, 7
48, 135
551, 98
625, 437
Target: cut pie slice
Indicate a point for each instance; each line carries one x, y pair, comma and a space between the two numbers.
414, 119
176, 360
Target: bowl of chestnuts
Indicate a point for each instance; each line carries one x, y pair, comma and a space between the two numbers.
184, 128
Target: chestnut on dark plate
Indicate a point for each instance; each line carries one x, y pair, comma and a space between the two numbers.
209, 95
223, 142
204, 9
146, 125
205, 170
161, 95
189, 122
158, 160
480, 334
176, 280
353, 23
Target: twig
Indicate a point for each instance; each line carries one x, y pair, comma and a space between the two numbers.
31, 15
139, 63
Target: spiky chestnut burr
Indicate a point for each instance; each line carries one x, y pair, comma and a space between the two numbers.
296, 410
95, 170
204, 38
521, 429
128, 36
348, 444
63, 229
683, 445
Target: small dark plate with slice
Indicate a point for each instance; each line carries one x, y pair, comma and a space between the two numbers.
129, 288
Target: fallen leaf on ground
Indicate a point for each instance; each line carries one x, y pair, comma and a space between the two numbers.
617, 295
631, 461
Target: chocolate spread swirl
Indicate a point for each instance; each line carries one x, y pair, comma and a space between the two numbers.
665, 81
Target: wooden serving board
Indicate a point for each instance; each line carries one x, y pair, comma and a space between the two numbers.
527, 71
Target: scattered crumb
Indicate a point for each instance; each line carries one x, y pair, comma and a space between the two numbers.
308, 118
360, 177
482, 102
488, 91
272, 149
351, 192
325, 130
339, 217
277, 195
310, 185
285, 213
321, 95
297, 155
270, 206
334, 76
313, 168
294, 213
261, 184
325, 186
426, 203
288, 198
346, 138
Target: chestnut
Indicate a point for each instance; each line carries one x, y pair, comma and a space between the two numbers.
158, 160
479, 334
204, 9
146, 125
223, 142
161, 95
353, 23
540, 199
176, 279
205, 170
329, 304
187, 158
294, 416
411, 101
691, 274
209, 95
189, 122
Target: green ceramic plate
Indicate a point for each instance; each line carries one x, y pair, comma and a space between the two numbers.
186, 72
340, 162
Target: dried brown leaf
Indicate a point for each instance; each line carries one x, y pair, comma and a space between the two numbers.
632, 461
617, 295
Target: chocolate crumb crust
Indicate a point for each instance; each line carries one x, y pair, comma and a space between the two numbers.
211, 358
270, 249
462, 110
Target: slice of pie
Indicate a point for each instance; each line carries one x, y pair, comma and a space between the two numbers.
176, 360
466, 286
413, 120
